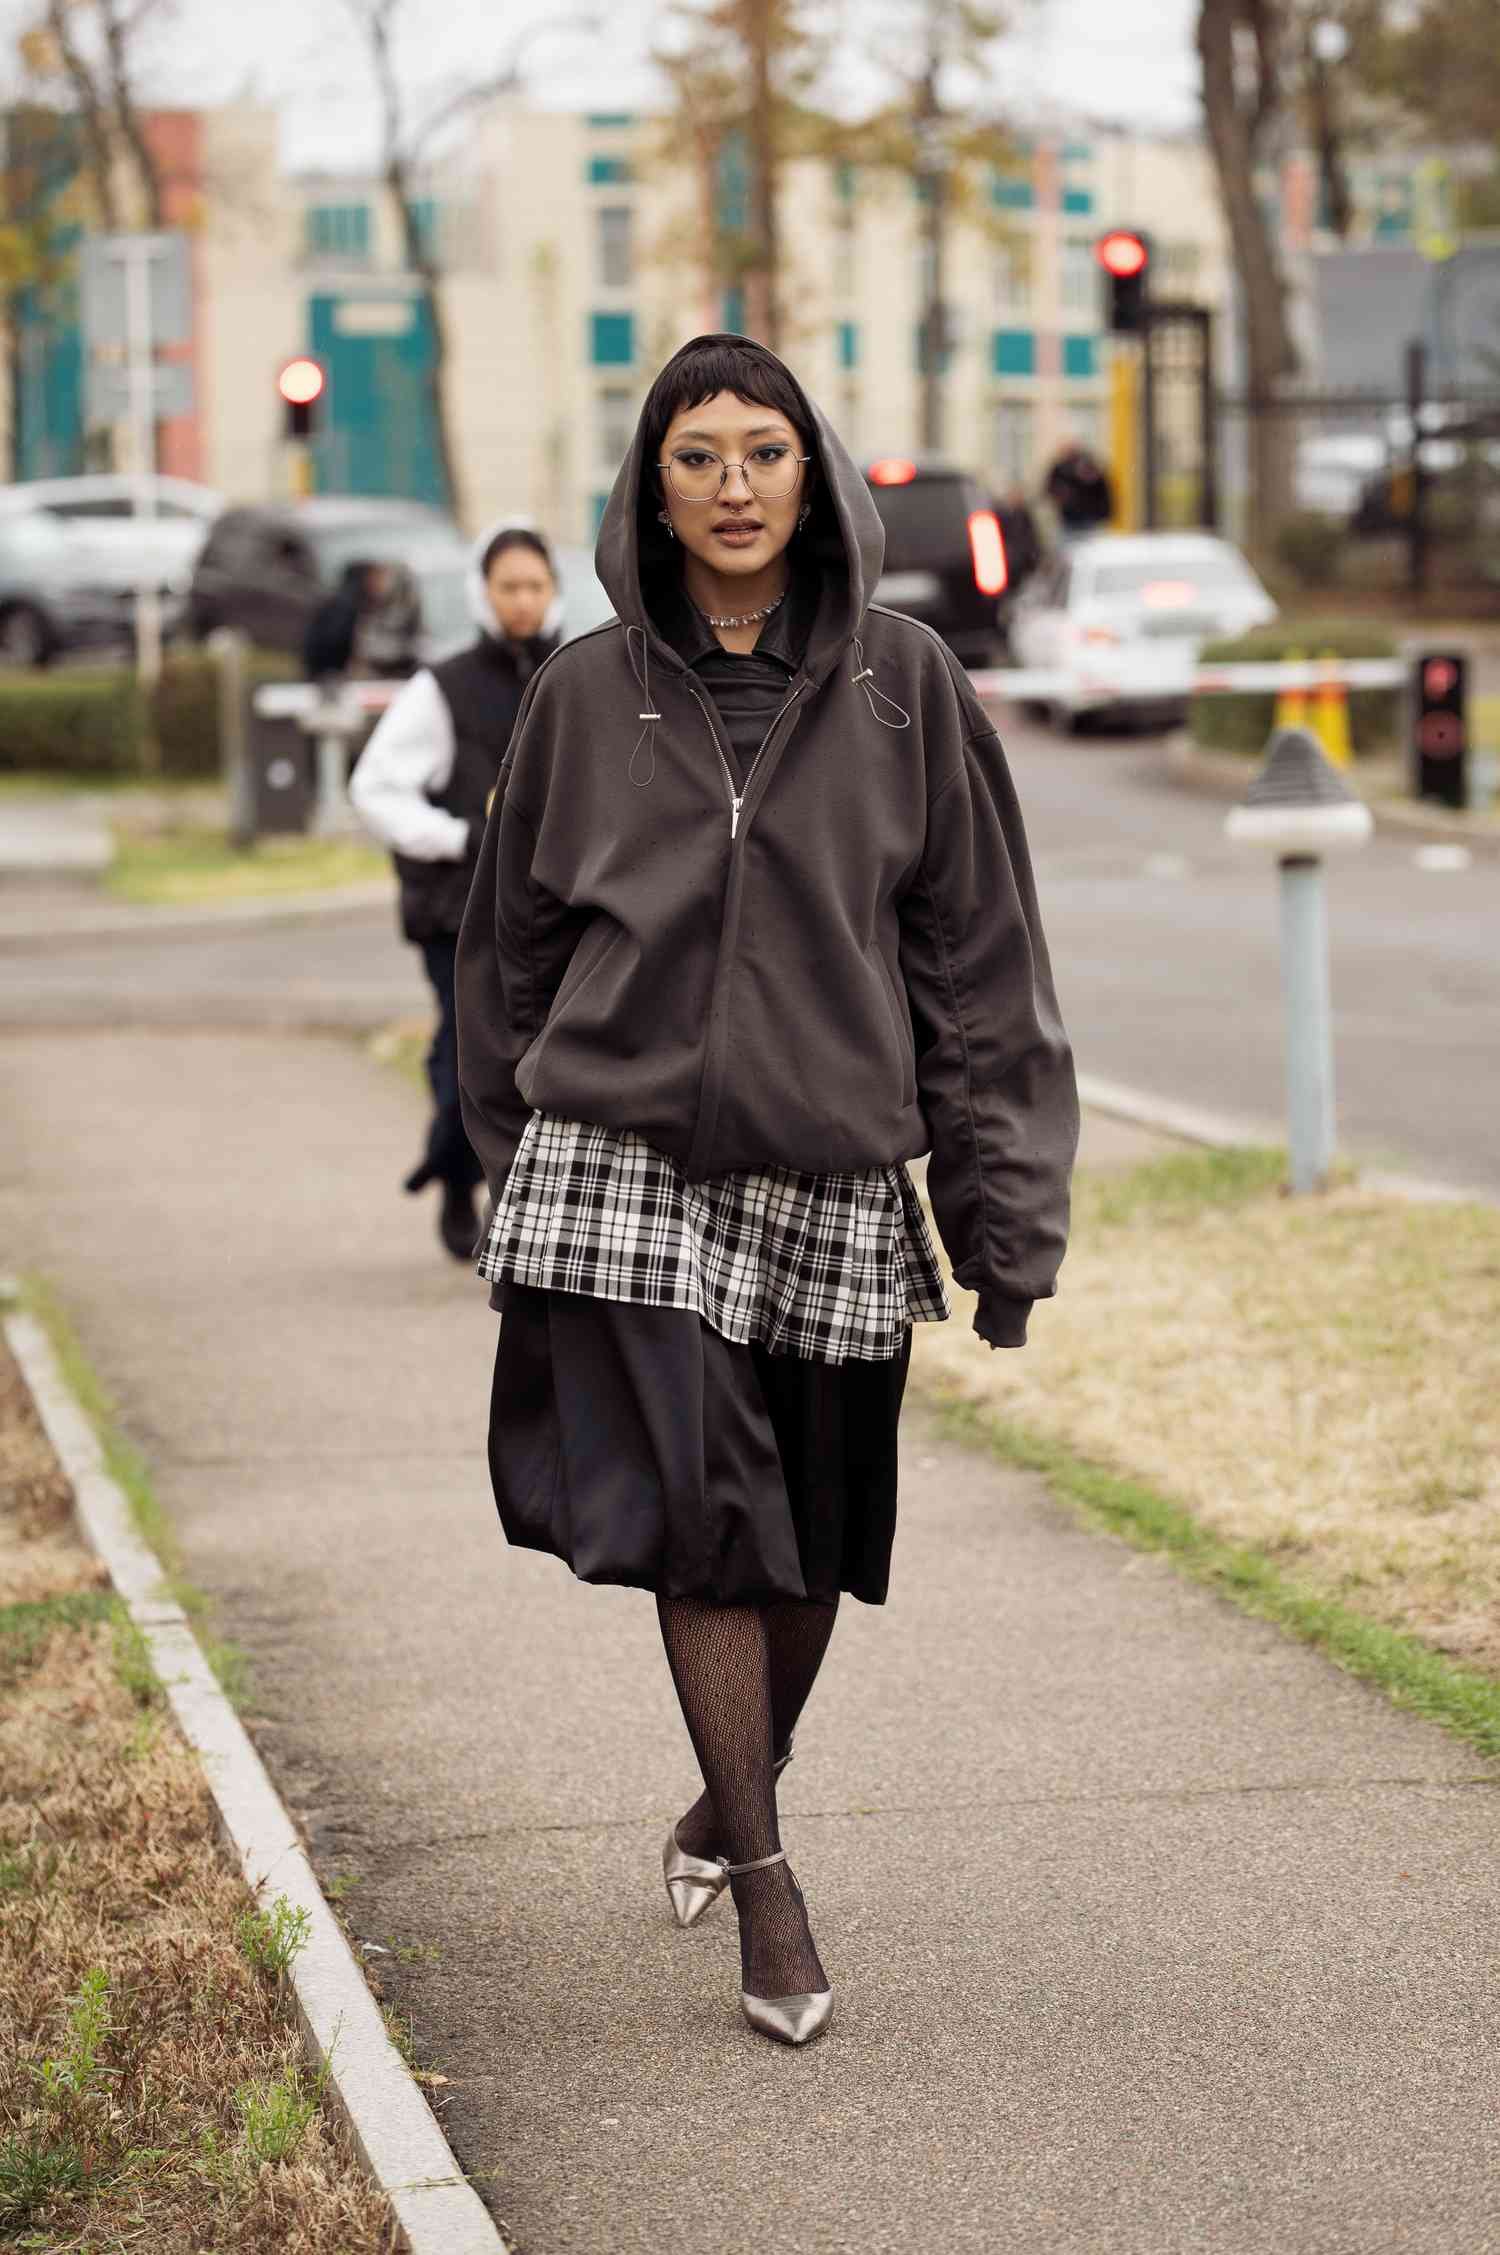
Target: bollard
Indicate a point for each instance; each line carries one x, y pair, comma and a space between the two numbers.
1298, 810
230, 651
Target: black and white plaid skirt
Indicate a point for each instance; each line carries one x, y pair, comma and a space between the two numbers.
833, 1267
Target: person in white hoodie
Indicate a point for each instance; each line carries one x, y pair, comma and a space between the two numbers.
422, 785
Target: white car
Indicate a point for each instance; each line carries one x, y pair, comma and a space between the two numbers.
1118, 620
108, 542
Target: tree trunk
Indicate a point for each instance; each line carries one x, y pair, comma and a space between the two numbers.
127, 116
762, 280
933, 180
92, 114
421, 260
1234, 129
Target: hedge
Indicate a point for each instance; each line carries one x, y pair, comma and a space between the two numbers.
92, 720
1228, 723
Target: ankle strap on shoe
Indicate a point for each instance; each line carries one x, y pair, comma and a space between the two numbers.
731, 1871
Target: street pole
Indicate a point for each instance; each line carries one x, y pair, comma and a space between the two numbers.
1125, 432
1308, 1022
137, 252
1416, 400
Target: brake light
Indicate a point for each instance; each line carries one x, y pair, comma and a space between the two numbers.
1105, 634
891, 470
987, 547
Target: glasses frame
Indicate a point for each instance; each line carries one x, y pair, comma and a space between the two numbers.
694, 499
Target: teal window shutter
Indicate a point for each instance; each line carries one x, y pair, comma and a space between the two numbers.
612, 339
608, 172
844, 180
1013, 352
609, 121
1079, 356
338, 231
734, 310
848, 332
1078, 200
1012, 191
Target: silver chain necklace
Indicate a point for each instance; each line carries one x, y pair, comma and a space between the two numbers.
748, 618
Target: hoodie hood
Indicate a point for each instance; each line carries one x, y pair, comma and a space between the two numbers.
478, 595
843, 537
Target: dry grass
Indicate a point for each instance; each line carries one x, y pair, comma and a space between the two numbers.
190, 866
1313, 1378
153, 2089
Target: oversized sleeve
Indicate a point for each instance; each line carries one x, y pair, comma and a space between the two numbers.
994, 1069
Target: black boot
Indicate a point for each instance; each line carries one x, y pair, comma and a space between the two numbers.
458, 1225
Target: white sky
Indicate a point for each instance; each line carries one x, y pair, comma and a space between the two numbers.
1128, 59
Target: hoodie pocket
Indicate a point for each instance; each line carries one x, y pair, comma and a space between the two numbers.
589, 958
906, 1044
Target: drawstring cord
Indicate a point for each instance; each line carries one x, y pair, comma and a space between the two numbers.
874, 698
650, 718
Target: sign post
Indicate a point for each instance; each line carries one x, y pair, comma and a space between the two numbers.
1440, 727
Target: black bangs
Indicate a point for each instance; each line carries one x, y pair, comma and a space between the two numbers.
706, 365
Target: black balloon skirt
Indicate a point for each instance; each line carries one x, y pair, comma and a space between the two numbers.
643, 1448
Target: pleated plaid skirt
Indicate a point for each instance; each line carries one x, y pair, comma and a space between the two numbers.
697, 1386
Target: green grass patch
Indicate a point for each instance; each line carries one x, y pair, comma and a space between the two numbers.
1409, 1673
195, 867
1176, 1187
127, 1468
27, 1627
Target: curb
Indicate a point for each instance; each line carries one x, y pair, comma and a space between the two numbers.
86, 924
395, 2131
1219, 776
1222, 1131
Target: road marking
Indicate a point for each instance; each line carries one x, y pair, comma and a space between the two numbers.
1442, 860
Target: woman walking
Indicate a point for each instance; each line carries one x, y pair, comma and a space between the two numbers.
753, 925
423, 785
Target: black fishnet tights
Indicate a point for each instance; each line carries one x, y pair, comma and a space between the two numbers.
727, 1662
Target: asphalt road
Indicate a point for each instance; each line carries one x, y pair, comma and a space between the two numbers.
1166, 952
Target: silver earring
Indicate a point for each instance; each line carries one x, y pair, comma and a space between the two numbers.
663, 519
803, 514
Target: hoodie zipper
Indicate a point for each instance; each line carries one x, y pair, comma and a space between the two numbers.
737, 798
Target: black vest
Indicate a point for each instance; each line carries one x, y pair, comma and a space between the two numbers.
482, 688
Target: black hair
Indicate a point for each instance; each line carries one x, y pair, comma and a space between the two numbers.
516, 536
698, 370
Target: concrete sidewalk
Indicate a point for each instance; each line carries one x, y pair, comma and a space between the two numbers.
1151, 1932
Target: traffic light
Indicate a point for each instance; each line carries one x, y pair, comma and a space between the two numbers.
302, 384
1441, 721
1125, 256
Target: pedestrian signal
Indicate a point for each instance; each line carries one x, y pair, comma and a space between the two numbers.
1125, 256
1440, 727
302, 384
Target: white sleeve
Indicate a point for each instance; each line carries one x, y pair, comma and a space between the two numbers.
410, 754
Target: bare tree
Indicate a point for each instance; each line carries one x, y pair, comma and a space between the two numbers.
405, 143
1240, 45
90, 46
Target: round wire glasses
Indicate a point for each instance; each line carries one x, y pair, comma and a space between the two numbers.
697, 474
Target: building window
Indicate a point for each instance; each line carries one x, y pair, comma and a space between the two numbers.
848, 336
616, 425
427, 221
608, 172
612, 339
609, 121
1080, 277
1012, 191
1078, 357
615, 253
1077, 202
845, 181
734, 310
1013, 352
1181, 264
1085, 420
1013, 440
733, 210
339, 231
1012, 277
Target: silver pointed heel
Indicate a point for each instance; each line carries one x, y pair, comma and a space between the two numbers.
786, 2020
695, 1883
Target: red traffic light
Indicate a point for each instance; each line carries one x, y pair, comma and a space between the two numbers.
301, 382
892, 470
1122, 254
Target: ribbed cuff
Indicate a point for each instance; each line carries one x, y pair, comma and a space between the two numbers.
1001, 1322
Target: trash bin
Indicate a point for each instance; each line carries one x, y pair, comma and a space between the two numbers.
283, 777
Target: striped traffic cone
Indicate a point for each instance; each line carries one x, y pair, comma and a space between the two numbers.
1291, 704
1330, 719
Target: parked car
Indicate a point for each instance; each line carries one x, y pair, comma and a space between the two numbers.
45, 609
1120, 619
944, 553
267, 569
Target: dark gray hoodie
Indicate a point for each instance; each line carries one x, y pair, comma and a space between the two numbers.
840, 967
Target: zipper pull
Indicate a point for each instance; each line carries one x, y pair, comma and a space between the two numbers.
734, 818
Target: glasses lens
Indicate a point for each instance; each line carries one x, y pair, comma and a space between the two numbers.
772, 472
695, 475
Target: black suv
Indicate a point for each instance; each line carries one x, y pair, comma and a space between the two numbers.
944, 553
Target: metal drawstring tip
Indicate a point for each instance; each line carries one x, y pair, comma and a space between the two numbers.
648, 716
867, 675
